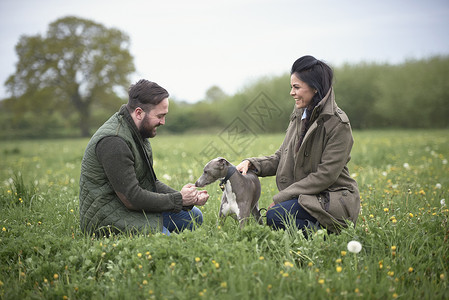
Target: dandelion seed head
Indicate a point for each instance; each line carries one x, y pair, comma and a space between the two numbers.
443, 202
406, 166
354, 247
438, 186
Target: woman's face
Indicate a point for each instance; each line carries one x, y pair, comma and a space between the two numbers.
301, 92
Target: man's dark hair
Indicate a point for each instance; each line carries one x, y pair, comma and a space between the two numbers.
145, 94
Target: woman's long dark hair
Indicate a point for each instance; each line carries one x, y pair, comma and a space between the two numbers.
318, 75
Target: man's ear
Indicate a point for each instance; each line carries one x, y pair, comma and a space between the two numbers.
139, 113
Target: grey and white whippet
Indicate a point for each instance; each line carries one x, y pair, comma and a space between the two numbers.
240, 192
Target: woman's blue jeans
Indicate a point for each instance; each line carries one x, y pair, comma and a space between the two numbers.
287, 212
176, 222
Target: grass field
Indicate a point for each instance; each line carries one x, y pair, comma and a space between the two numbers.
403, 229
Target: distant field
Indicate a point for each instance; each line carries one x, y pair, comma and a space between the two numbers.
403, 228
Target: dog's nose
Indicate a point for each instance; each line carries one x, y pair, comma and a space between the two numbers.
196, 184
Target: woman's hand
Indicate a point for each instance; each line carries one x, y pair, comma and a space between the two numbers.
243, 166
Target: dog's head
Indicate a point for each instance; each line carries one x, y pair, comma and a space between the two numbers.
214, 170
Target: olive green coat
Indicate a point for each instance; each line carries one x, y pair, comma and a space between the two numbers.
317, 173
101, 210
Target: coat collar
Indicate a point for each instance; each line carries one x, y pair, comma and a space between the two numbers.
327, 106
127, 116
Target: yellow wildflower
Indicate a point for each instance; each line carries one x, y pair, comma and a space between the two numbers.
139, 255
197, 259
224, 284
343, 253
386, 209
410, 269
321, 281
261, 258
288, 264
339, 269
56, 276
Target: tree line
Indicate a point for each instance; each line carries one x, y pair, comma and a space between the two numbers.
68, 82
413, 94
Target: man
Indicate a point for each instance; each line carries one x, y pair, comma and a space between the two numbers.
119, 191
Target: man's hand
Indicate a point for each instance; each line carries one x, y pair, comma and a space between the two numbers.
189, 195
202, 198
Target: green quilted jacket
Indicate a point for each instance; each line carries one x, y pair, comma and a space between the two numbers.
101, 210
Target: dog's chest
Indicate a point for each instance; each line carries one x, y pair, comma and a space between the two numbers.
230, 205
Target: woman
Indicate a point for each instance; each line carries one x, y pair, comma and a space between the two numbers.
315, 188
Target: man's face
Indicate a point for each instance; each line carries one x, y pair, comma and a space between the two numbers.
153, 119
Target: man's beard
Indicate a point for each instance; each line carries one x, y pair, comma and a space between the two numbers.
145, 130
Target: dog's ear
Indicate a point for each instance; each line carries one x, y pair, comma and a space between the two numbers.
222, 162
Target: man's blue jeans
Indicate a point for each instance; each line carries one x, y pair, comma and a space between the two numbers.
176, 222
287, 212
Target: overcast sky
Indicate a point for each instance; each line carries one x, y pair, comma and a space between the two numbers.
189, 46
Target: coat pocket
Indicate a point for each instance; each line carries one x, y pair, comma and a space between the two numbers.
332, 208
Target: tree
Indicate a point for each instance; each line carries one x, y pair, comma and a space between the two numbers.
81, 61
215, 93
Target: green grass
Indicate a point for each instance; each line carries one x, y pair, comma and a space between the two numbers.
403, 228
